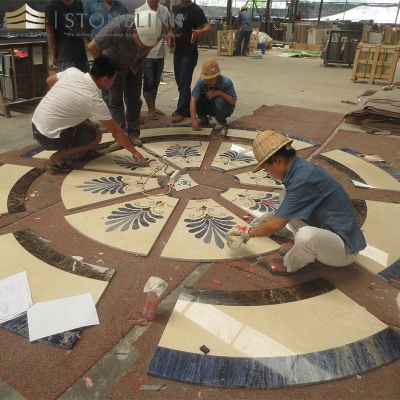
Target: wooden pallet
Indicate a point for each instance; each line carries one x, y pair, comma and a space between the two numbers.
226, 42
375, 62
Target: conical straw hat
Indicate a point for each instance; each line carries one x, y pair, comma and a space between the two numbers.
266, 144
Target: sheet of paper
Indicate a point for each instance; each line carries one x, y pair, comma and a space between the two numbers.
15, 296
56, 316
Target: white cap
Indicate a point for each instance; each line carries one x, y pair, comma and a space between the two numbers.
148, 26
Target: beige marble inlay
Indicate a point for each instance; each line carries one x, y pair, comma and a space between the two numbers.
132, 226
372, 175
233, 156
122, 162
82, 188
186, 155
381, 230
174, 130
253, 202
9, 175
199, 217
260, 178
306, 326
46, 282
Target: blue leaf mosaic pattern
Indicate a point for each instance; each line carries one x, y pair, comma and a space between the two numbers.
105, 185
134, 217
237, 156
210, 227
267, 202
130, 163
184, 153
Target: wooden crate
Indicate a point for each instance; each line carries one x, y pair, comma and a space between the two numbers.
375, 62
254, 40
226, 42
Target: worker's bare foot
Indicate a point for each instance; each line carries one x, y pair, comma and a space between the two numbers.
57, 159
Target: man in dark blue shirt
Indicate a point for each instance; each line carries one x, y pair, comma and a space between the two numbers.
214, 95
316, 208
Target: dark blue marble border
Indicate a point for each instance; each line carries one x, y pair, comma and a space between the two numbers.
390, 170
393, 271
277, 372
65, 340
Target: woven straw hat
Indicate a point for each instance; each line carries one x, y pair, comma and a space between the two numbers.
266, 144
243, 8
210, 69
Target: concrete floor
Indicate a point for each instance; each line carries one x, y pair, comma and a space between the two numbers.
304, 83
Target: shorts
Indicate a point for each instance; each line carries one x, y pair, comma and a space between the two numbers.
76, 136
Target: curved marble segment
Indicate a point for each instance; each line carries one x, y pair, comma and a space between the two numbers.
82, 188
122, 162
46, 281
202, 227
169, 131
277, 372
260, 178
233, 156
186, 155
369, 173
382, 237
132, 226
303, 338
15, 180
253, 202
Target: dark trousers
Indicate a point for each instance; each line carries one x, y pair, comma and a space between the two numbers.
244, 35
152, 72
218, 107
183, 69
129, 120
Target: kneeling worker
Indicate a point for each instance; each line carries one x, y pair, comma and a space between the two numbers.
316, 208
59, 120
214, 95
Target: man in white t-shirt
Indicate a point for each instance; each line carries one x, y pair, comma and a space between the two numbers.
154, 64
59, 120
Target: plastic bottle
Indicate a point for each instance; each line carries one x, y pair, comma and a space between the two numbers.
234, 242
150, 306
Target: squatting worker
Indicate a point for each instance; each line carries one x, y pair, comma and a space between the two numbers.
128, 40
316, 208
213, 94
59, 120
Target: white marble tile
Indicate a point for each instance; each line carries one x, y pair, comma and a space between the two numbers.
46, 282
381, 236
200, 234
82, 188
232, 156
260, 178
184, 182
186, 155
371, 174
253, 202
122, 162
319, 323
172, 131
9, 175
132, 226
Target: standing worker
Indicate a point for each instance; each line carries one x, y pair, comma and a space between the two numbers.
128, 40
190, 24
154, 65
316, 207
64, 34
244, 23
213, 94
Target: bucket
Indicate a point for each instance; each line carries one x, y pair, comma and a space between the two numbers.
262, 47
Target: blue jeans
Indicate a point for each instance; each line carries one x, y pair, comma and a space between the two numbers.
82, 65
246, 36
218, 107
152, 71
129, 120
183, 69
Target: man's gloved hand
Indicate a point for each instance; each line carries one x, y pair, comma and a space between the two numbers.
265, 217
240, 230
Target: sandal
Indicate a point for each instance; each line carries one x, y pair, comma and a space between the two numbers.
158, 112
153, 117
276, 267
218, 127
60, 169
90, 155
